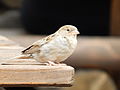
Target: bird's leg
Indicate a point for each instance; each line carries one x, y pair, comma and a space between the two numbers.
50, 63
31, 55
60, 64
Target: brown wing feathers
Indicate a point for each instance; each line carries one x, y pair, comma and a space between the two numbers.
31, 49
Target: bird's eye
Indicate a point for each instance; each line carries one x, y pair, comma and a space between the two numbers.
68, 30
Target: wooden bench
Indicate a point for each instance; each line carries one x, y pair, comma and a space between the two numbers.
28, 72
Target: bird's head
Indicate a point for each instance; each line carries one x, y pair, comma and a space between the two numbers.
68, 30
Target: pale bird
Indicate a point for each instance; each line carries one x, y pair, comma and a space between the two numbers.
54, 48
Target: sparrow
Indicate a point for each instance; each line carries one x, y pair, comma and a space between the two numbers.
54, 48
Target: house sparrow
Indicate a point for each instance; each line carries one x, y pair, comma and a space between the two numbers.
54, 48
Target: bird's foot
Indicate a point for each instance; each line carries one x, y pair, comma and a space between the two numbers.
61, 64
50, 63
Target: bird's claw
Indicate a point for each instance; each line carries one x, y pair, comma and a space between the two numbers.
54, 64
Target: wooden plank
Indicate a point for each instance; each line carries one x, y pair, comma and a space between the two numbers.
8, 48
28, 72
35, 85
35, 75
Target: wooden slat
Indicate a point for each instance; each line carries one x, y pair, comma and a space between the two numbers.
35, 75
28, 72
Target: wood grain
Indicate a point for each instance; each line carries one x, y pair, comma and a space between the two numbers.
28, 72
35, 74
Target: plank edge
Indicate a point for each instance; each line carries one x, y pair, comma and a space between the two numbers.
36, 85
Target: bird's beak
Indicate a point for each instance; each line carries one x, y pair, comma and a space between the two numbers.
75, 32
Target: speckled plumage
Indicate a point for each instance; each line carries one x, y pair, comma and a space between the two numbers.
56, 47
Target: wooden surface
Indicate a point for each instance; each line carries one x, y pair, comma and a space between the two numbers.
28, 72
29, 75
91, 52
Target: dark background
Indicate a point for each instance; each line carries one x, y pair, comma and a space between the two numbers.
46, 16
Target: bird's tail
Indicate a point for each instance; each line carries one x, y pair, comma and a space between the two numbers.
14, 60
21, 57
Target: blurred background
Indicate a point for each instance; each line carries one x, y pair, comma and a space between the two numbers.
97, 58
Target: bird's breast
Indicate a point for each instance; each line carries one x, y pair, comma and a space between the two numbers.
58, 49
67, 44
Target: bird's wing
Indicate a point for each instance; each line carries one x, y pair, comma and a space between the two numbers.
35, 47
31, 49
